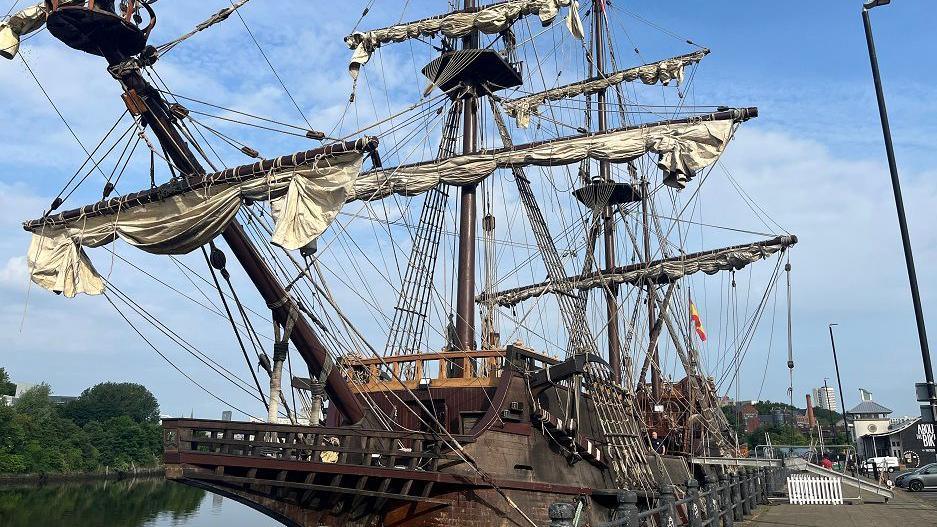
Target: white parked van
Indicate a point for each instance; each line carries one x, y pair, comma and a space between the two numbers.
888, 463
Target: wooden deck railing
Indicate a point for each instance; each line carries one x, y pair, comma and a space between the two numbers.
405, 450
483, 368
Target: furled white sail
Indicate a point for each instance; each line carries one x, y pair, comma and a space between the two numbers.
308, 198
59, 264
663, 72
491, 19
683, 149
710, 262
22, 23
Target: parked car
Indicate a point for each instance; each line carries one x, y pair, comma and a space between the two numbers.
889, 463
920, 479
901, 480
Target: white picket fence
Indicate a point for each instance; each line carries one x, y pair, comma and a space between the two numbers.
805, 489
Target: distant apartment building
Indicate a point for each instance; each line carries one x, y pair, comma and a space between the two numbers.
23, 387
780, 417
825, 398
748, 415
801, 421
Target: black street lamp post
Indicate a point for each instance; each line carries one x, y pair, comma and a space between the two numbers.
928, 394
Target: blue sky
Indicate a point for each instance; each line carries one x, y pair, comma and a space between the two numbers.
813, 160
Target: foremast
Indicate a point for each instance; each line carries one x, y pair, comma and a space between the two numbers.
146, 102
283, 308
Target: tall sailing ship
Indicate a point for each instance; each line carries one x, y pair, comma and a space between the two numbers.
455, 377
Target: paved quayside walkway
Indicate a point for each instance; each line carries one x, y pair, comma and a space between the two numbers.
905, 510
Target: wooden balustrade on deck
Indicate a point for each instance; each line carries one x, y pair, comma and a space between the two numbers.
405, 450
298, 468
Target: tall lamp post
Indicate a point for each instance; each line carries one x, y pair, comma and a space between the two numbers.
926, 392
839, 382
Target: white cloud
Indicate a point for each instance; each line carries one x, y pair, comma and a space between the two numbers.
14, 272
848, 267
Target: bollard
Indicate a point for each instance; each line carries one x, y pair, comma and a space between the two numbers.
743, 492
561, 514
756, 488
726, 506
750, 488
692, 507
711, 504
757, 495
764, 485
627, 511
736, 497
666, 500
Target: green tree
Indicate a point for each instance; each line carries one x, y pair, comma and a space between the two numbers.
108, 400
12, 437
121, 442
35, 402
36, 436
7, 387
825, 417
37, 439
766, 407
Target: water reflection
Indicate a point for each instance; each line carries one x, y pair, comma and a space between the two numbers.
136, 503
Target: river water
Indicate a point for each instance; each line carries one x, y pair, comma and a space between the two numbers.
138, 503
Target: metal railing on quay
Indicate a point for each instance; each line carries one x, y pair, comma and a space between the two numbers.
719, 502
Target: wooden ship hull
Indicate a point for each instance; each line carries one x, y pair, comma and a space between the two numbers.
513, 448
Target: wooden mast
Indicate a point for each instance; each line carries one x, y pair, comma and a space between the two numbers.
608, 218
155, 113
651, 296
465, 293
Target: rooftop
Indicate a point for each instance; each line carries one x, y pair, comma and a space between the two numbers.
869, 407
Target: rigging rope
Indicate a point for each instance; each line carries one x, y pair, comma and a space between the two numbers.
90, 158
237, 333
57, 111
218, 17
185, 345
171, 363
270, 64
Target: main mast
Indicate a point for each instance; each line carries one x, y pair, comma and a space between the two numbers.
611, 292
465, 294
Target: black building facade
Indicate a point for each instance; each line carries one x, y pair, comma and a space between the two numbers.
913, 443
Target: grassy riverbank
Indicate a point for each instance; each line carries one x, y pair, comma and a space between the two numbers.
18, 480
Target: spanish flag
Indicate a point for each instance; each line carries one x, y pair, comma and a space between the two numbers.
697, 321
